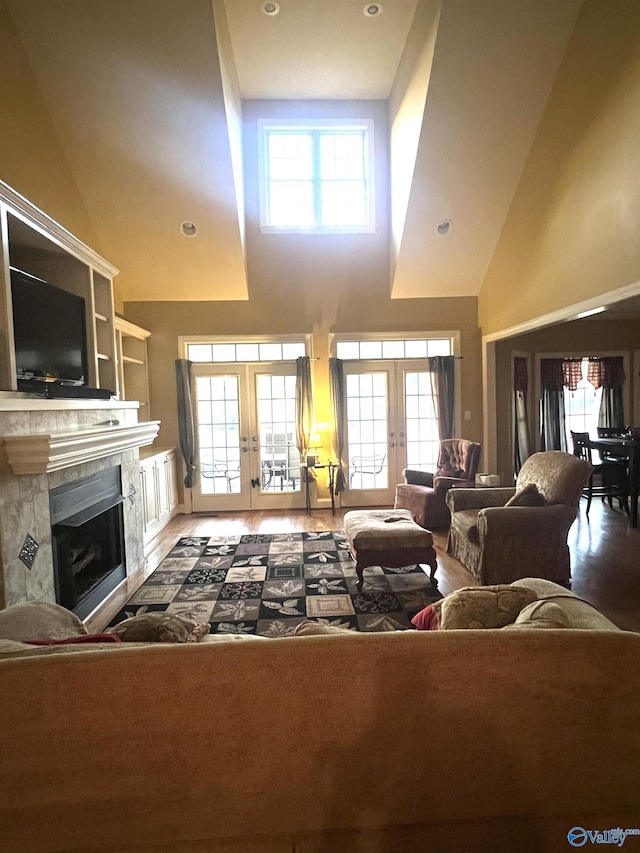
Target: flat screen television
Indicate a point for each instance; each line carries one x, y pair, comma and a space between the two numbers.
49, 330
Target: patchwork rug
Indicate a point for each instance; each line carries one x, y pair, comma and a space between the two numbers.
268, 583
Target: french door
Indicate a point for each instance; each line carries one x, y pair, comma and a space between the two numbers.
391, 425
246, 437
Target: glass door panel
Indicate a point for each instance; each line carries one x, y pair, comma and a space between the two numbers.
219, 475
422, 439
274, 440
246, 438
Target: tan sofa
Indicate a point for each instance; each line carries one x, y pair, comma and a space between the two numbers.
363, 743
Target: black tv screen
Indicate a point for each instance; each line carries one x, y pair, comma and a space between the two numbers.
49, 331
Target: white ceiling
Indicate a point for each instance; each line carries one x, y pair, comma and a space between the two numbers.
134, 90
318, 48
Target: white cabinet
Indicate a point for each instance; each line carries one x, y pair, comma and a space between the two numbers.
133, 378
159, 484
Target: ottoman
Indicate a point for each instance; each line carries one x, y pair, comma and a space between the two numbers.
375, 540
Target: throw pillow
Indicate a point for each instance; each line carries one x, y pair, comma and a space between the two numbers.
529, 496
160, 627
426, 619
541, 614
482, 606
39, 620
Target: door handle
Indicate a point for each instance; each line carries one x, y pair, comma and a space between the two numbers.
244, 449
401, 444
391, 444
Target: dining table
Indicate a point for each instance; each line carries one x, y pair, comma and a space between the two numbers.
628, 448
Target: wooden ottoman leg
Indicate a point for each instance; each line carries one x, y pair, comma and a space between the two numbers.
432, 562
360, 567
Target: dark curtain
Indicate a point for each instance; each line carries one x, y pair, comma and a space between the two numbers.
521, 439
552, 419
304, 403
186, 427
441, 371
608, 373
336, 385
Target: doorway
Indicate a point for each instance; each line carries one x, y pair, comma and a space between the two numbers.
247, 456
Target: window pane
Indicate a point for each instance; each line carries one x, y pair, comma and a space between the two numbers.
291, 351
416, 349
291, 203
199, 352
290, 156
393, 349
270, 352
247, 352
342, 155
223, 352
347, 349
343, 203
439, 347
371, 349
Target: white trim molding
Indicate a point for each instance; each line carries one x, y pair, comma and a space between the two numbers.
46, 452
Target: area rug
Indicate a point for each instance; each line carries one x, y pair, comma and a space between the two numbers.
268, 583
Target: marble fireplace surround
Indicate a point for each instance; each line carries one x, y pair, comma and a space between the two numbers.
49, 442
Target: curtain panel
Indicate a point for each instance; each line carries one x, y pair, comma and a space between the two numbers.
441, 372
521, 438
339, 439
304, 403
552, 418
186, 419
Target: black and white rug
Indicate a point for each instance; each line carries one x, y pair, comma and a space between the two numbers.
267, 583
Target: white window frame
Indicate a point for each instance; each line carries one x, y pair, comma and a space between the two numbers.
366, 125
185, 340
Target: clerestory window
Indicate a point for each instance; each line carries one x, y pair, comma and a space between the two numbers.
316, 177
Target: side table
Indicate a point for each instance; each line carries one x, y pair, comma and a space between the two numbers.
331, 467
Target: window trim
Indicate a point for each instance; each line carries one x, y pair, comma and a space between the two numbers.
366, 125
185, 340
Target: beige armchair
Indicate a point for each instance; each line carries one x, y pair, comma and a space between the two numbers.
500, 544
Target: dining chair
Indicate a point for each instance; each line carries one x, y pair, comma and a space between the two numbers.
612, 474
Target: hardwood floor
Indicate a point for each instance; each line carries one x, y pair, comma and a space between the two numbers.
604, 554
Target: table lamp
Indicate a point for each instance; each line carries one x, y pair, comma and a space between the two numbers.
315, 443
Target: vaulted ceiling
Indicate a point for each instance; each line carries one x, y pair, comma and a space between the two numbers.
146, 96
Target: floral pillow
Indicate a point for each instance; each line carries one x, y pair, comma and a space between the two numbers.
482, 606
529, 496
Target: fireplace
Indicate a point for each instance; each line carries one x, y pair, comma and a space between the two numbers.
88, 540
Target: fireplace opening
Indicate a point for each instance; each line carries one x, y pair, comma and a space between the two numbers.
88, 540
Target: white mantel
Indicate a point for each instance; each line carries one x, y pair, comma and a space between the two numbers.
45, 452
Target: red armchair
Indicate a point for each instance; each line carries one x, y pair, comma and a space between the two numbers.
424, 493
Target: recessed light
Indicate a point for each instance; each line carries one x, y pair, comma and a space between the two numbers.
189, 229
372, 9
270, 8
444, 227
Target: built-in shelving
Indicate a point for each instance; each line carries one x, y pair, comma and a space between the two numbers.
34, 243
133, 379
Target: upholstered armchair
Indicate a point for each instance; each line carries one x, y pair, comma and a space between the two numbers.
500, 543
424, 493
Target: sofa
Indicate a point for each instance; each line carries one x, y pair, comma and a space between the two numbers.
424, 493
462, 740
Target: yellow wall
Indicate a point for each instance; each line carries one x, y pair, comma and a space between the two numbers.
31, 158
573, 231
313, 284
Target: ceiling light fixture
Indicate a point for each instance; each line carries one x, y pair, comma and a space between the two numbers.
269, 8
590, 313
444, 227
372, 9
189, 229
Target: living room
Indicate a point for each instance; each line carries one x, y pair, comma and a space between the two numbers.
505, 207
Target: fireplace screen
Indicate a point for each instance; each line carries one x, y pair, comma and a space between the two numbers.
88, 546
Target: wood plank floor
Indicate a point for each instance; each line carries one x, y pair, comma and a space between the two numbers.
605, 554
